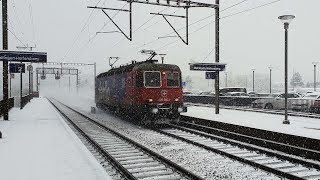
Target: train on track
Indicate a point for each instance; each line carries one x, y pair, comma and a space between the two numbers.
146, 91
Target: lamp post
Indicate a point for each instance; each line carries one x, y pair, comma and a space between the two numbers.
253, 69
286, 19
315, 76
270, 71
226, 73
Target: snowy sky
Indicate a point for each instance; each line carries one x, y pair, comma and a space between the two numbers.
254, 39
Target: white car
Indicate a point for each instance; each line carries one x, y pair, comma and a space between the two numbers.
275, 101
241, 94
304, 103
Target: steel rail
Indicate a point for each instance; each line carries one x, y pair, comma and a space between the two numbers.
292, 144
232, 156
202, 130
123, 171
177, 167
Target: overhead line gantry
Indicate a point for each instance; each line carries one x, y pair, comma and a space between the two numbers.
168, 3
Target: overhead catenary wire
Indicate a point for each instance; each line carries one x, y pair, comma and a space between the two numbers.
224, 17
86, 22
240, 13
146, 27
193, 23
94, 36
32, 22
16, 15
143, 24
17, 37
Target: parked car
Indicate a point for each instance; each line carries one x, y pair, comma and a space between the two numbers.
223, 91
315, 107
252, 94
242, 94
304, 103
275, 101
187, 93
207, 93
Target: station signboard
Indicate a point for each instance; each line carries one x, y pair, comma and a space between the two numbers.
207, 66
184, 84
17, 67
21, 56
211, 75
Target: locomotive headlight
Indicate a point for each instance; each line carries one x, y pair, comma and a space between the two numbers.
180, 109
155, 110
150, 100
177, 99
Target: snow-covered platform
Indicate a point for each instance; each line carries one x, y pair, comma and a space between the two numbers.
300, 126
37, 144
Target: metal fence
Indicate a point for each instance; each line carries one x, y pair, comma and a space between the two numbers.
224, 100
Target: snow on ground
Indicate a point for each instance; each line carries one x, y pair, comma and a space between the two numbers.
204, 163
299, 126
37, 144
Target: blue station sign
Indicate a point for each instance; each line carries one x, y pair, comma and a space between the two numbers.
21, 56
211, 75
17, 67
207, 67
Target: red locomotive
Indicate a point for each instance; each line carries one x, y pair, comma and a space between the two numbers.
148, 91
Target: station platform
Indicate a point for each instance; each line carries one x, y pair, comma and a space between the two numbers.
299, 126
37, 144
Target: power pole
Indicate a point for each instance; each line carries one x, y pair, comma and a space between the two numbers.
217, 18
5, 62
69, 83
20, 70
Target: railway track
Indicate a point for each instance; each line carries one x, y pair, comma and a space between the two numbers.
268, 160
131, 159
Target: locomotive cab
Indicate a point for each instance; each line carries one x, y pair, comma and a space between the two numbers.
159, 90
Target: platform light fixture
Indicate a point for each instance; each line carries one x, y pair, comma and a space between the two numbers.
286, 20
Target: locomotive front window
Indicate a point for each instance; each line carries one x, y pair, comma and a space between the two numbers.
152, 79
173, 79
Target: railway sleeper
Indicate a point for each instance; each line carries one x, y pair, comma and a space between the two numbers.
249, 155
124, 146
131, 158
137, 161
129, 155
141, 165
268, 161
119, 150
152, 173
164, 177
306, 175
261, 157
144, 169
111, 144
123, 152
295, 169
108, 141
286, 166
